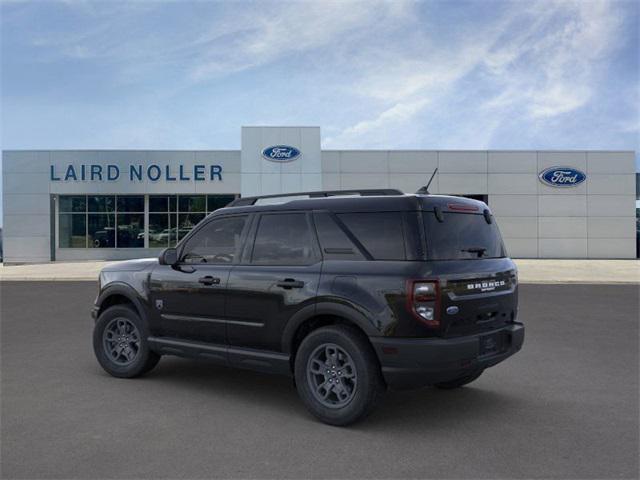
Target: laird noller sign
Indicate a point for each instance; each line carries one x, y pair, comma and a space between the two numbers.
135, 173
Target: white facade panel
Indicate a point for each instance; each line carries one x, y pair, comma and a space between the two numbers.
521, 247
364, 180
25, 249
562, 227
20, 183
576, 160
364, 162
562, 205
24, 205
461, 184
413, 162
330, 162
611, 205
26, 161
612, 248
601, 184
514, 205
611, 162
512, 183
330, 181
26, 225
462, 162
410, 183
512, 162
229, 160
612, 227
562, 247
518, 227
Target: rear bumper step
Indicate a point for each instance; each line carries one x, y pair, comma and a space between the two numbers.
409, 363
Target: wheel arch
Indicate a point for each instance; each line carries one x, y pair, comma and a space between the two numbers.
322, 315
120, 294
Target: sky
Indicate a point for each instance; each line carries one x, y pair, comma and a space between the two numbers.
374, 74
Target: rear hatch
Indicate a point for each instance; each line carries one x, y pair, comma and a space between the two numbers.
477, 281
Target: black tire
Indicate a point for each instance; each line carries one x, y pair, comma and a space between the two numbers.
459, 382
135, 358
362, 385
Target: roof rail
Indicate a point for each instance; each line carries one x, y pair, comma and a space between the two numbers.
246, 201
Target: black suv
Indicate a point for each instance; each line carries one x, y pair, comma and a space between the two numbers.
348, 292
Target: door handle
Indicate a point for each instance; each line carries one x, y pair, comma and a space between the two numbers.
288, 283
209, 280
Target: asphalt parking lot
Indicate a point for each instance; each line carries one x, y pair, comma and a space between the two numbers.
564, 407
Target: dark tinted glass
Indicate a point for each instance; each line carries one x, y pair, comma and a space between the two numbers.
130, 230
186, 222
72, 230
334, 242
462, 236
283, 240
158, 203
72, 203
381, 234
173, 203
217, 242
131, 203
101, 229
101, 203
215, 202
159, 231
192, 203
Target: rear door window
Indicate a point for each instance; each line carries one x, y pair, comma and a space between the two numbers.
462, 236
380, 233
284, 239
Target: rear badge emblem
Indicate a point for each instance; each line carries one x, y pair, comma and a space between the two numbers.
452, 310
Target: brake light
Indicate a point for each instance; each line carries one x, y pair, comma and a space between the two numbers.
461, 207
423, 301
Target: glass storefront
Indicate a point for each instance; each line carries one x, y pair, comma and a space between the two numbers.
118, 221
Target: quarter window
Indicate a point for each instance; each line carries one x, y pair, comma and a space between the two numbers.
283, 239
217, 242
381, 234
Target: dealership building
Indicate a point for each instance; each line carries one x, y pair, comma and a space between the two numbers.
117, 204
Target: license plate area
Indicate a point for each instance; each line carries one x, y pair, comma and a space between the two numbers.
492, 344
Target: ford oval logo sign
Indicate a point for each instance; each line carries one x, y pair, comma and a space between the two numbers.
562, 177
281, 153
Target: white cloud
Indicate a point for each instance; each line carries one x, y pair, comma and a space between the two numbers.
540, 60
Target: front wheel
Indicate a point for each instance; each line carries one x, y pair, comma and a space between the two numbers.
120, 343
337, 375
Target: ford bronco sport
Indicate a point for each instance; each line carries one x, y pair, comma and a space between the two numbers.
350, 293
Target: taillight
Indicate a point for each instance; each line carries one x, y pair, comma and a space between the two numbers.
423, 300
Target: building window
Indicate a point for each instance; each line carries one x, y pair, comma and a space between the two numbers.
118, 221
101, 221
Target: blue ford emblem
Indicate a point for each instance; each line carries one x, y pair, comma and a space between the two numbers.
562, 177
281, 153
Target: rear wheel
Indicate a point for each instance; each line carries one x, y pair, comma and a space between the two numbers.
459, 382
337, 375
120, 343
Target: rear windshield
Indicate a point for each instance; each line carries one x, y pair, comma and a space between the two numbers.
462, 236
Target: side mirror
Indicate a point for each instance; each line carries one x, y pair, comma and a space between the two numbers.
169, 256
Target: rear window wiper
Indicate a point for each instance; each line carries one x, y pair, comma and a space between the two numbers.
479, 250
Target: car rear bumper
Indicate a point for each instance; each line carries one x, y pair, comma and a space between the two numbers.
413, 363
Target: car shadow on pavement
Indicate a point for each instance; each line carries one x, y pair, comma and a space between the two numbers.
275, 394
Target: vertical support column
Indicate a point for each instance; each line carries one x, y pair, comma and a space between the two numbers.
52, 226
146, 221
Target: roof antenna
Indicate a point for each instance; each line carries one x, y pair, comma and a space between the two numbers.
425, 190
